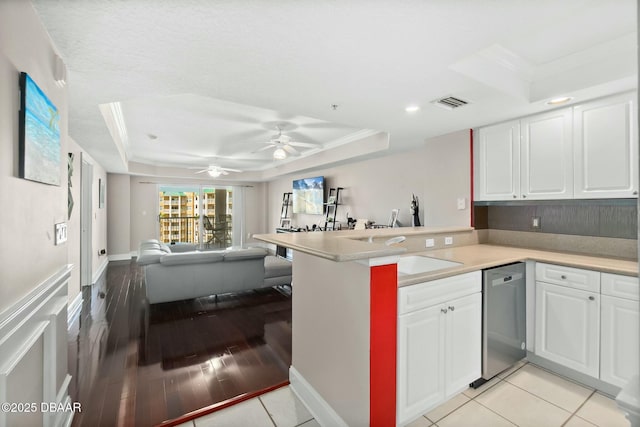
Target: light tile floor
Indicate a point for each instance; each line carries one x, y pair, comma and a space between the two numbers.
525, 395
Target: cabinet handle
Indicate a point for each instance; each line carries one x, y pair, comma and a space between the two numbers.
514, 196
635, 193
591, 298
443, 310
524, 196
563, 277
451, 308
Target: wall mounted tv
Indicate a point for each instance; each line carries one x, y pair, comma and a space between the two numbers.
39, 134
308, 196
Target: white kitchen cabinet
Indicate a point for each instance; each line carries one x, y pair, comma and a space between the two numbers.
499, 162
620, 328
439, 347
546, 156
421, 356
606, 148
586, 151
568, 327
619, 352
463, 341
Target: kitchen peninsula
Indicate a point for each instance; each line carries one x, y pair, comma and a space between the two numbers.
345, 311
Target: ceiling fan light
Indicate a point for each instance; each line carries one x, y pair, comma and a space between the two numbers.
214, 173
279, 154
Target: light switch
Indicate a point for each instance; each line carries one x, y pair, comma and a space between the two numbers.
61, 233
448, 240
462, 203
430, 243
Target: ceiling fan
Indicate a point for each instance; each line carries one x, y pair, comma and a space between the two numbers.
216, 171
285, 145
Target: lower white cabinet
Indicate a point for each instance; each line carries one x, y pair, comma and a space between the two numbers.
588, 321
568, 327
620, 342
439, 351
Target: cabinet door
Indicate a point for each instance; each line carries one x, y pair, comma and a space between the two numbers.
620, 344
568, 327
499, 162
547, 156
606, 148
420, 376
463, 343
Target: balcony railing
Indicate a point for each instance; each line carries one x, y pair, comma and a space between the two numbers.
185, 229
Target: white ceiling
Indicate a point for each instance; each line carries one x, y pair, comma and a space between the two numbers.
212, 79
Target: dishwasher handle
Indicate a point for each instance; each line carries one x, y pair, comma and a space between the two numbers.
506, 279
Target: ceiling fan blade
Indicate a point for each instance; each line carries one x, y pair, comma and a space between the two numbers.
291, 150
230, 170
202, 171
303, 144
224, 172
264, 148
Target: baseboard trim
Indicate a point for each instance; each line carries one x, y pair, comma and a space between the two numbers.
73, 310
319, 408
119, 257
101, 269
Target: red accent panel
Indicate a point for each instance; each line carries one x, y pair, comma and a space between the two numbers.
471, 164
383, 339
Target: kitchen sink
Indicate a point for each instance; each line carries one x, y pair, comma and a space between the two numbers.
415, 264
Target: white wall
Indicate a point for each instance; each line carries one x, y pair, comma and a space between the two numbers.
29, 209
438, 173
119, 215
99, 217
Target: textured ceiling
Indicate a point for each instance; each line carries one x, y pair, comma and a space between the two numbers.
173, 64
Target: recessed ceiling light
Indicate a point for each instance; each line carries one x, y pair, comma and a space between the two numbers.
559, 100
279, 154
412, 109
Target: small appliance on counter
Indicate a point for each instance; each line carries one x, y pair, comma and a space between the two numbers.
503, 319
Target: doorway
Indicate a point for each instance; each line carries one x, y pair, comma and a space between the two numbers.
86, 223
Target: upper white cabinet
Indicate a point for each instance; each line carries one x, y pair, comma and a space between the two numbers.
587, 151
606, 148
499, 158
546, 156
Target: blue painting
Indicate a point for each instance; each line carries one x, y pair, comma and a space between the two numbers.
40, 135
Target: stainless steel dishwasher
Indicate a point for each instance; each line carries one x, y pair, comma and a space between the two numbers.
503, 319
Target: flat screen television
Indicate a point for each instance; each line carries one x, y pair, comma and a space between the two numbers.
39, 134
308, 196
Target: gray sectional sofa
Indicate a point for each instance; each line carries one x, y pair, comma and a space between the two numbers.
174, 272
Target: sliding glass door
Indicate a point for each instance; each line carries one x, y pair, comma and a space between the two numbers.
196, 214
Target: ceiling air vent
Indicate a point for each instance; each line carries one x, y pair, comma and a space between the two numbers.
450, 102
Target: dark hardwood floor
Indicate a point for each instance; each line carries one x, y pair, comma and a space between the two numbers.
139, 365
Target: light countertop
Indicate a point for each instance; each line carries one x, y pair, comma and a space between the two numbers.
477, 257
351, 245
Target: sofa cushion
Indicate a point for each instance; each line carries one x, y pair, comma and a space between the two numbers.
241, 254
276, 267
191, 258
150, 255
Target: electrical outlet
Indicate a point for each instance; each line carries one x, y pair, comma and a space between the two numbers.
430, 243
535, 222
448, 240
462, 203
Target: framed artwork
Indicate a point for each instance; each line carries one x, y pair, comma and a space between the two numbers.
39, 135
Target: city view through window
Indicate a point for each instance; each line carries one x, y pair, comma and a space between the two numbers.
195, 215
